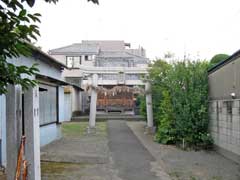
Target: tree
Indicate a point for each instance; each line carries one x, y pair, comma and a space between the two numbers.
217, 59
17, 31
180, 102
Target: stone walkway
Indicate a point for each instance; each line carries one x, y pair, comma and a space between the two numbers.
130, 157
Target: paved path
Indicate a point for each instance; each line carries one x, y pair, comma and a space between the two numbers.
130, 157
199, 165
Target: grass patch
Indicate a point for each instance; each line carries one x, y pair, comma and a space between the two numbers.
175, 174
78, 129
193, 178
53, 167
56, 170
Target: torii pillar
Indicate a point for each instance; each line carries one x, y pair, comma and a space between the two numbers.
93, 103
149, 107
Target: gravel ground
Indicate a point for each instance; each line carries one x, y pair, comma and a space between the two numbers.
77, 146
78, 155
187, 165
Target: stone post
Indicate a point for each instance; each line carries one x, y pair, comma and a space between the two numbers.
13, 128
93, 105
149, 105
32, 132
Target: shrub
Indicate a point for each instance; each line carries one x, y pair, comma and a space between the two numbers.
180, 102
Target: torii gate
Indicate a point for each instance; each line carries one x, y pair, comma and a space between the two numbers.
115, 70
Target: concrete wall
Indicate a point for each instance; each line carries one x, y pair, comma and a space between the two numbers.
3, 130
49, 133
224, 111
225, 81
61, 104
72, 102
45, 69
76, 100
68, 106
72, 73
225, 127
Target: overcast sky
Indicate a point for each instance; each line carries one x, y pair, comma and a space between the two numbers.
201, 28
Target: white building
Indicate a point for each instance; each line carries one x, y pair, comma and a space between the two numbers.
36, 113
114, 63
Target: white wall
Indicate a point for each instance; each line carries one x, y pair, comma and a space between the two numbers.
61, 104
87, 63
49, 133
67, 107
44, 68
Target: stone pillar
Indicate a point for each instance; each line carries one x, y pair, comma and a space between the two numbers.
149, 105
32, 132
13, 128
93, 105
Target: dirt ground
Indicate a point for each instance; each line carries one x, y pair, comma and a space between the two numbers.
2, 175
78, 155
187, 165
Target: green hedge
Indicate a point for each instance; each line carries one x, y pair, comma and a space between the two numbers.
180, 102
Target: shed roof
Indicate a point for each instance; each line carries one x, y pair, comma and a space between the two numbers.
39, 54
57, 81
231, 58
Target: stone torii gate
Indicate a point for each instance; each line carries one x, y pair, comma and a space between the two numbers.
94, 72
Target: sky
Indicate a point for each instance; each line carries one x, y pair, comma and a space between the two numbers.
197, 28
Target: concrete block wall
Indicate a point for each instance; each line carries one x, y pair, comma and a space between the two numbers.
225, 127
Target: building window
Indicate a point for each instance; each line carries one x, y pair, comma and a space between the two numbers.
89, 57
73, 61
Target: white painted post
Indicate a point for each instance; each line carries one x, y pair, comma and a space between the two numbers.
93, 104
149, 105
32, 132
13, 128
